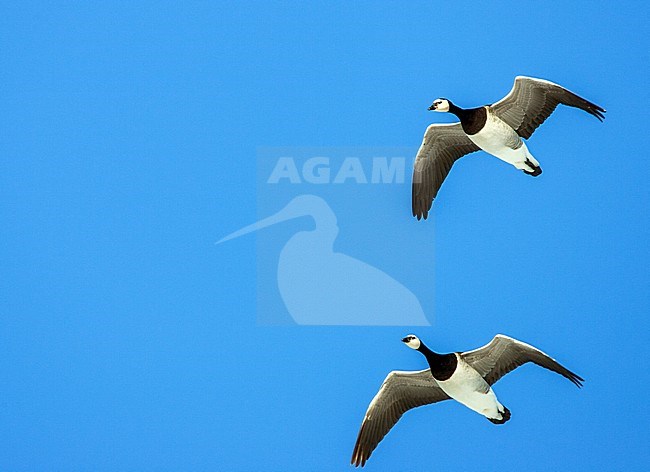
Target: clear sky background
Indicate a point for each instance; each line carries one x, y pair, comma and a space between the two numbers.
130, 341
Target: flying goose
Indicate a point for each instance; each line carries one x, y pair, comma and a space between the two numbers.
497, 129
466, 377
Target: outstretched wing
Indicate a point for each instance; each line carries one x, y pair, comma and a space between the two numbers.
400, 392
443, 144
531, 101
504, 354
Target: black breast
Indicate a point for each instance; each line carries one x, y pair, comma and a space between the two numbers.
473, 120
442, 366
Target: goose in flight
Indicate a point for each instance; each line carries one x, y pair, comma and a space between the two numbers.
466, 377
497, 129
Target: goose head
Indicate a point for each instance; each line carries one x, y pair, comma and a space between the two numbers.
412, 341
440, 104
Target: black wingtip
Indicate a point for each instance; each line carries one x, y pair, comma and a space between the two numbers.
358, 460
420, 210
420, 214
358, 457
577, 380
598, 112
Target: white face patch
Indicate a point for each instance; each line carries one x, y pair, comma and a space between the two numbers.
412, 341
441, 105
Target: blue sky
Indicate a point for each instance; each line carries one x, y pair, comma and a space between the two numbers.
130, 140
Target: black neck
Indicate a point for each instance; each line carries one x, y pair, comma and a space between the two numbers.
472, 119
442, 365
461, 113
428, 353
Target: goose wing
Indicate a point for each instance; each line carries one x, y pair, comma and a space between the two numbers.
531, 101
400, 392
504, 354
443, 144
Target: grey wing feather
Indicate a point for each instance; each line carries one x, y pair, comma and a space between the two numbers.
443, 144
400, 392
504, 354
531, 101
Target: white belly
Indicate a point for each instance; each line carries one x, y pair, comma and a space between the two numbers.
466, 386
500, 140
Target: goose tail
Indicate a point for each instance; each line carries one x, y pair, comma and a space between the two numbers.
536, 169
505, 416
